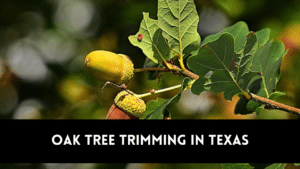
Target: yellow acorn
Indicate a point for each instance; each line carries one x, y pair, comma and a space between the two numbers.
126, 106
109, 66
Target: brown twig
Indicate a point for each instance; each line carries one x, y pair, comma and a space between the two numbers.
173, 68
185, 72
150, 69
189, 74
275, 105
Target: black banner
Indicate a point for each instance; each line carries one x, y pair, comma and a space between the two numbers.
95, 141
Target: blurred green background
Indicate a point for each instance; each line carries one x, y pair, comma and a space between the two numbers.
43, 44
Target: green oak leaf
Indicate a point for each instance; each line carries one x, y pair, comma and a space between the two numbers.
155, 109
245, 106
231, 71
275, 95
239, 31
267, 60
263, 36
179, 20
149, 38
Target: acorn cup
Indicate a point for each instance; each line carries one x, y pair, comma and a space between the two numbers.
126, 106
109, 66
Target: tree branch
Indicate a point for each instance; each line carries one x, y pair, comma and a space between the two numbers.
271, 104
149, 69
275, 105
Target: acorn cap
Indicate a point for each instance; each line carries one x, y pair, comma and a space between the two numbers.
130, 104
109, 66
127, 70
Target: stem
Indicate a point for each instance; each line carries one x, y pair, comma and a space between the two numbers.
275, 105
158, 91
181, 63
189, 74
149, 69
123, 87
173, 68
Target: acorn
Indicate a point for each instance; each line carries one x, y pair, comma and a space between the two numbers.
109, 66
126, 106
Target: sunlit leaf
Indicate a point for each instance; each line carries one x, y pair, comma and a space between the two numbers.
179, 20
149, 38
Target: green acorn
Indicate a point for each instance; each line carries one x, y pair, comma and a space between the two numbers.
109, 66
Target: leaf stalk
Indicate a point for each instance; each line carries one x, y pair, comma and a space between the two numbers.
181, 63
158, 91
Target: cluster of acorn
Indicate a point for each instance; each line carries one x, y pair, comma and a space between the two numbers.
126, 105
